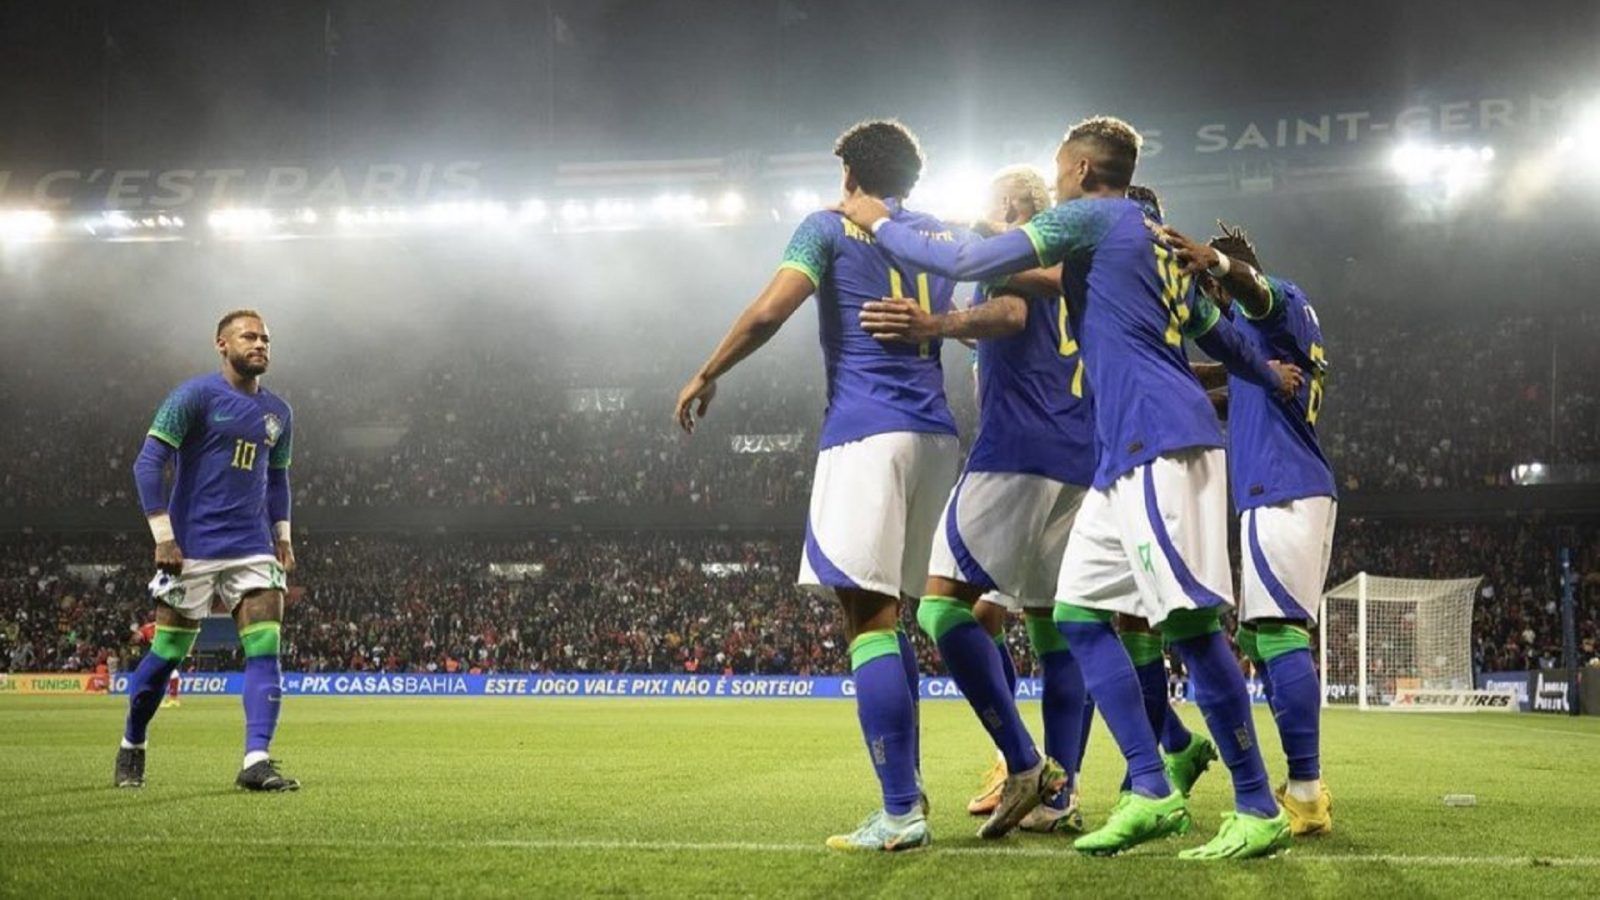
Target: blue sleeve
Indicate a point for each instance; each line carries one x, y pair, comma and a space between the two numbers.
148, 470
1214, 334
970, 259
278, 501
283, 447
1070, 230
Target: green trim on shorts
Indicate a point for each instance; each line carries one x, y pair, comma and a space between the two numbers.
1281, 638
1044, 636
1143, 647
1188, 624
1246, 638
1071, 612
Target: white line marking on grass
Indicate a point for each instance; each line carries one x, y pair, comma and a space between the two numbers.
579, 844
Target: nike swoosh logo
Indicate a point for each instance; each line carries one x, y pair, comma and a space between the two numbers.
219, 417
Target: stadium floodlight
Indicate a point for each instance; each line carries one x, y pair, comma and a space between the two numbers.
573, 212
241, 222
532, 211
116, 220
25, 224
731, 205
307, 217
803, 200
959, 195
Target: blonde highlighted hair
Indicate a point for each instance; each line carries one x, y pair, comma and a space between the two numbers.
1031, 182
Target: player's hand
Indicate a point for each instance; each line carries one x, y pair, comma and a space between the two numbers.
169, 558
1194, 257
693, 400
864, 210
285, 554
1290, 378
899, 320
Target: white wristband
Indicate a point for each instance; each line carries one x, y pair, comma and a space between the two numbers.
280, 530
1223, 266
879, 224
161, 528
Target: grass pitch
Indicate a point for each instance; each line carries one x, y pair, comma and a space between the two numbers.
415, 797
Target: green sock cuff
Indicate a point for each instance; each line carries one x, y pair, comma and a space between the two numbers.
1044, 636
1071, 612
937, 615
869, 645
1246, 638
173, 643
1278, 638
1187, 624
1143, 647
260, 639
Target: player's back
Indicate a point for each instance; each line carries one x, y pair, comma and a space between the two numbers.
225, 439
1135, 302
874, 387
1035, 411
1275, 455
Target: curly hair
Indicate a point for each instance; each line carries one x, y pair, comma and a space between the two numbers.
883, 156
1115, 147
1235, 244
1138, 193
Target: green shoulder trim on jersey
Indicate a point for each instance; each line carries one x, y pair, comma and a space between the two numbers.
803, 269
1068, 229
810, 250
165, 438
1203, 316
178, 413
1274, 298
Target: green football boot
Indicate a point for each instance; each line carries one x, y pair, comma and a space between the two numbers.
1134, 820
1244, 836
1186, 766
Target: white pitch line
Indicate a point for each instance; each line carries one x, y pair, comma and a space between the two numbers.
1143, 856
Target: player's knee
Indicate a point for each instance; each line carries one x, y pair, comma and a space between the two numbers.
937, 615
261, 639
1188, 624
172, 643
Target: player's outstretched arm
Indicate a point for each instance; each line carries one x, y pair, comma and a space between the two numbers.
905, 321
149, 469
1243, 283
1215, 335
965, 258
755, 326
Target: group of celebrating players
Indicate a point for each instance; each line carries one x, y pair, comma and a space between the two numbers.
1094, 498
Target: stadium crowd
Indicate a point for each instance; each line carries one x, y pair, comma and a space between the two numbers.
1413, 406
652, 603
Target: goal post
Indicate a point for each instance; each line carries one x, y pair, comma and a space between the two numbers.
1385, 637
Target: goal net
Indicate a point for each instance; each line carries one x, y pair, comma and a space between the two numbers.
1382, 636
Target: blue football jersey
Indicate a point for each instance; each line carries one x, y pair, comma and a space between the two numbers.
226, 440
1137, 307
1273, 452
1035, 412
873, 387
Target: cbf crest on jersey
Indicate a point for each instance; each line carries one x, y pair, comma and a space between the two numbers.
274, 428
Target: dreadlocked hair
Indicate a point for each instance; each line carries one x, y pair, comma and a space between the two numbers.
1234, 243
